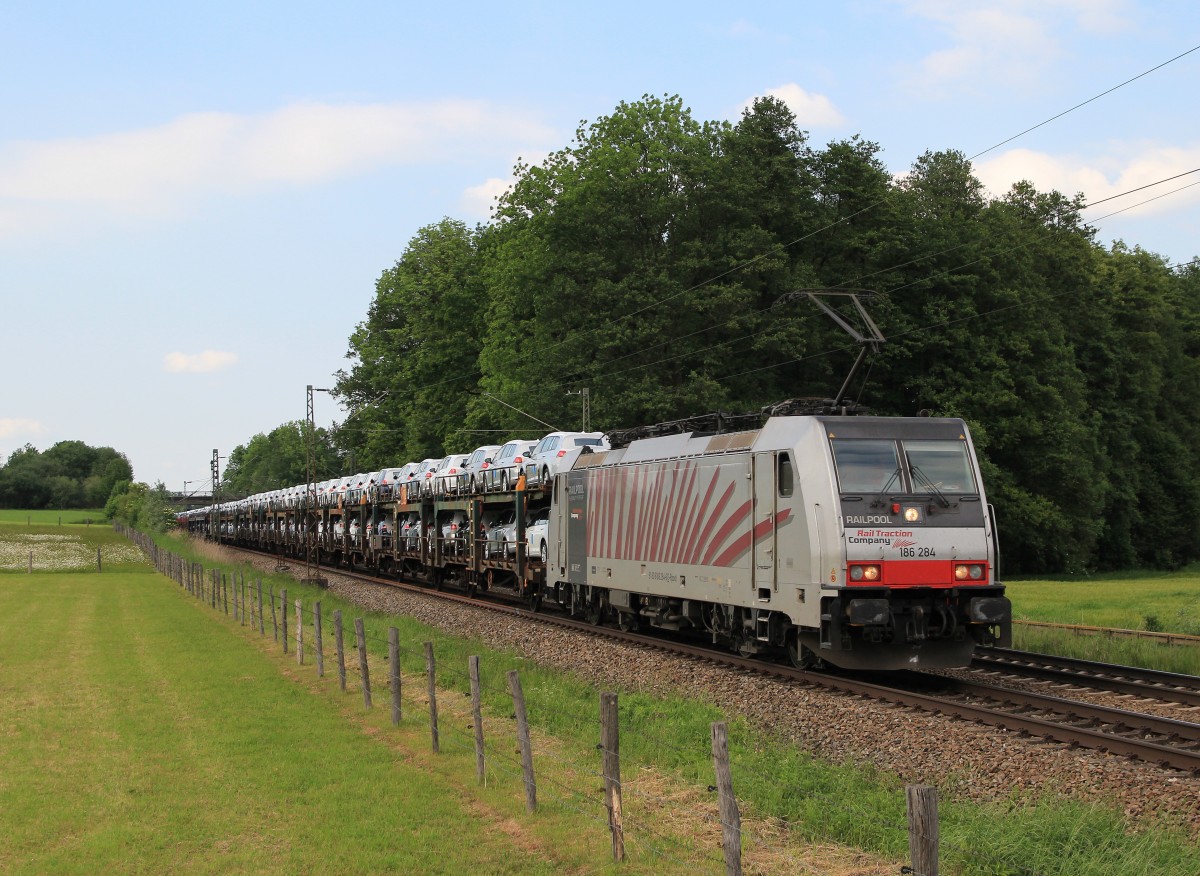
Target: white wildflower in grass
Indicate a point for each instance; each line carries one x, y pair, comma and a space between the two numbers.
59, 553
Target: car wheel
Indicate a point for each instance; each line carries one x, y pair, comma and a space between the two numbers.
543, 551
545, 476
503, 482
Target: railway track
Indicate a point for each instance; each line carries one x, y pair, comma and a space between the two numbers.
1151, 684
1166, 742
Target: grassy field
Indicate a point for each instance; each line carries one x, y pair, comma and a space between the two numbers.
50, 517
1161, 602
149, 733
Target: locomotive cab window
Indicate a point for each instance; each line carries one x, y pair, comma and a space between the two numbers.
784, 474
939, 466
866, 466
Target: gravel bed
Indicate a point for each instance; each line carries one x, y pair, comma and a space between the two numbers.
919, 748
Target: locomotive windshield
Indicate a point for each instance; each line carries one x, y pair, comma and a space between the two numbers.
866, 466
930, 466
939, 466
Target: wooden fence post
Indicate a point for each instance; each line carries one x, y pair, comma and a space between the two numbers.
922, 805
233, 581
225, 592
274, 617
610, 744
341, 648
299, 633
361, 635
433, 715
98, 567
477, 716
31, 562
242, 587
514, 685
283, 614
262, 624
317, 639
394, 668
731, 819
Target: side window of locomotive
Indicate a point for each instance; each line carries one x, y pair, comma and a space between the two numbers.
866, 466
940, 466
784, 475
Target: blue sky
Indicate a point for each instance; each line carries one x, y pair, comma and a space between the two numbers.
196, 199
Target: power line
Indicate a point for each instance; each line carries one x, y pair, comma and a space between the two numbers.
1085, 103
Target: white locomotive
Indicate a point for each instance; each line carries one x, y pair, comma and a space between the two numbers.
866, 542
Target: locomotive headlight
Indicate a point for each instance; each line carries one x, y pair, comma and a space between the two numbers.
912, 514
968, 572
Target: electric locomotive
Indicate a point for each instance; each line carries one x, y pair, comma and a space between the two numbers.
863, 542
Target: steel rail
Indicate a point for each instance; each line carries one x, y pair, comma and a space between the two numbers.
1150, 683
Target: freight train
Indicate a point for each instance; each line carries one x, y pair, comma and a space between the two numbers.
859, 541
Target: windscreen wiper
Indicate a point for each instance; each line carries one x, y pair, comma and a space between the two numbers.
923, 479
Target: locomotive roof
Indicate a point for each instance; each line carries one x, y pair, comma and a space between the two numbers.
778, 433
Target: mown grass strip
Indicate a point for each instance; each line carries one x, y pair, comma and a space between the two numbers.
142, 735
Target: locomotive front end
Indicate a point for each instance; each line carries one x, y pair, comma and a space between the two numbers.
915, 583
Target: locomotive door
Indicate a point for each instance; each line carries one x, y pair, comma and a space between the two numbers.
763, 523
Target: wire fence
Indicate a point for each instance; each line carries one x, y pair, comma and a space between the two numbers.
650, 810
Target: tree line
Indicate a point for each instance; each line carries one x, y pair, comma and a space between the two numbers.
649, 261
69, 474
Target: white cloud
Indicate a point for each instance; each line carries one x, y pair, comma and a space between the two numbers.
153, 170
1126, 167
481, 199
1003, 41
10, 426
811, 110
198, 363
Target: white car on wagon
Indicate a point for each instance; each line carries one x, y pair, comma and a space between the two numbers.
549, 456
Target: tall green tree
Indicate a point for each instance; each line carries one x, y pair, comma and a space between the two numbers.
415, 357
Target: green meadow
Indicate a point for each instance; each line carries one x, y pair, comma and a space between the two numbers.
1159, 602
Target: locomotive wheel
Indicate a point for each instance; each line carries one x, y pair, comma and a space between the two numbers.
799, 655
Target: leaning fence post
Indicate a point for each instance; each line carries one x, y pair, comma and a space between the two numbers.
394, 668
922, 805
317, 639
341, 648
731, 819
283, 614
610, 744
433, 716
299, 634
514, 684
477, 716
361, 635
